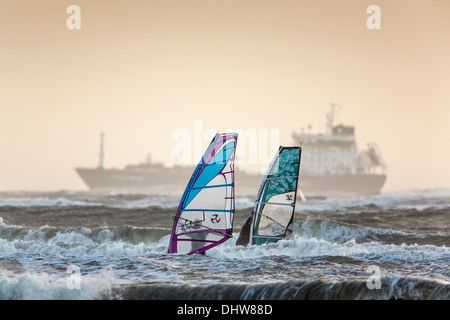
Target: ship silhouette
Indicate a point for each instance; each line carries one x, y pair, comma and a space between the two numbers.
331, 166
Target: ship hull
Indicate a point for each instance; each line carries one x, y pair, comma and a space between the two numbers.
342, 185
173, 181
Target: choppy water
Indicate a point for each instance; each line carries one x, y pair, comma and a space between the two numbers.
83, 245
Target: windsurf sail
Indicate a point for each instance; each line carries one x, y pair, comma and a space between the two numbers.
204, 217
274, 207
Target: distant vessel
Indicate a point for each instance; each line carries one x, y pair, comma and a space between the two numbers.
149, 177
332, 166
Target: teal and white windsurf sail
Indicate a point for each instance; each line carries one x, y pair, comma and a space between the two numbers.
275, 203
205, 214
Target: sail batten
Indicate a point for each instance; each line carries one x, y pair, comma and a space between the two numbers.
216, 186
287, 177
205, 214
278, 203
202, 210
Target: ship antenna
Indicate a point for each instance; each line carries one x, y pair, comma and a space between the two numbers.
330, 117
101, 154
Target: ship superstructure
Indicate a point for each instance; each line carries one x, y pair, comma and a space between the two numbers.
332, 165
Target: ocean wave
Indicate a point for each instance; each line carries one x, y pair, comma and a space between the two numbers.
79, 234
340, 232
438, 199
45, 202
120, 242
80, 241
314, 237
43, 286
128, 202
390, 288
300, 247
319, 237
398, 200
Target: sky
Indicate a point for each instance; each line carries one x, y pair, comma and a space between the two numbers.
144, 71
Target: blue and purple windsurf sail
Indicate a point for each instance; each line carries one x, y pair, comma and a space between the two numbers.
205, 214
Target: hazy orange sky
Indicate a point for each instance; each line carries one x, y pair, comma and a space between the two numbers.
139, 70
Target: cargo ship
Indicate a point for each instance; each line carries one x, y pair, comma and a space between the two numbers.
331, 166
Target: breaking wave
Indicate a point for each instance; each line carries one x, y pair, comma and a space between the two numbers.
45, 287
398, 200
390, 288
80, 241
313, 237
120, 242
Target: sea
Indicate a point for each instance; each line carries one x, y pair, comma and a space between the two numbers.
83, 245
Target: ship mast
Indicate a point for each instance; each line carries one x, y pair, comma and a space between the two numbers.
330, 117
101, 153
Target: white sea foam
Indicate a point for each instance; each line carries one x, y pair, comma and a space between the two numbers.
334, 231
311, 238
45, 202
300, 247
164, 202
317, 237
80, 242
43, 286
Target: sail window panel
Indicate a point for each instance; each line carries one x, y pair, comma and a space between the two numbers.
189, 221
274, 220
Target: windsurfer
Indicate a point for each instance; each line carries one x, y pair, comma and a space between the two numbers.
244, 235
